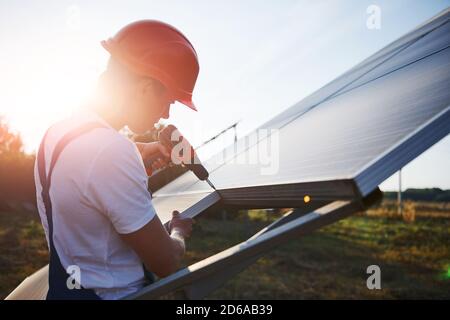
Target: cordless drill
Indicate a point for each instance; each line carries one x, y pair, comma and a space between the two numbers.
169, 137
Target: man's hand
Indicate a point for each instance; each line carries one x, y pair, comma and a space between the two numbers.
149, 150
179, 225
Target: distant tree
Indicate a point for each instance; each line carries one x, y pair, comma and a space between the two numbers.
427, 194
16, 168
10, 143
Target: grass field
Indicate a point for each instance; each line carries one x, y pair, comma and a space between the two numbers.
412, 250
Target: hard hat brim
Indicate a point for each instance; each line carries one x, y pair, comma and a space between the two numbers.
188, 103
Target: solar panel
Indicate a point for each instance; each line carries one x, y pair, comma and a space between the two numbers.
348, 137
187, 195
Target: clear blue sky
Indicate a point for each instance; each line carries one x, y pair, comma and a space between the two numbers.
257, 58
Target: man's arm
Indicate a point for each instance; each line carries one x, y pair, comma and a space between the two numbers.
160, 252
117, 186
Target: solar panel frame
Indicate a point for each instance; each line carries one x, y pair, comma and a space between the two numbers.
200, 278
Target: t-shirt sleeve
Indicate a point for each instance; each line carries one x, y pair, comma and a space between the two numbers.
118, 187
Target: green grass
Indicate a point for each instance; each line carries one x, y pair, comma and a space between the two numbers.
331, 263
23, 248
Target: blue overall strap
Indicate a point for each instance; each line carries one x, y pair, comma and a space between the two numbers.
57, 280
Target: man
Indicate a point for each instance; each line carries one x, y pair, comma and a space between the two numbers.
91, 183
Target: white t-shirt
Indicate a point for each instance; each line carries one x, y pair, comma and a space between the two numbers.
98, 191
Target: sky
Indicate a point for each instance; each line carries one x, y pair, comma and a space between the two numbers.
257, 58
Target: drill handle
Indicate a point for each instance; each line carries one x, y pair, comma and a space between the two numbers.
167, 139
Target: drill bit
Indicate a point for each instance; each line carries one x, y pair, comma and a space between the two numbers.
210, 183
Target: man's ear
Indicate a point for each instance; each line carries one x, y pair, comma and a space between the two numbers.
157, 87
147, 86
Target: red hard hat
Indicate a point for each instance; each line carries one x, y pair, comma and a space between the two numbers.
156, 49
